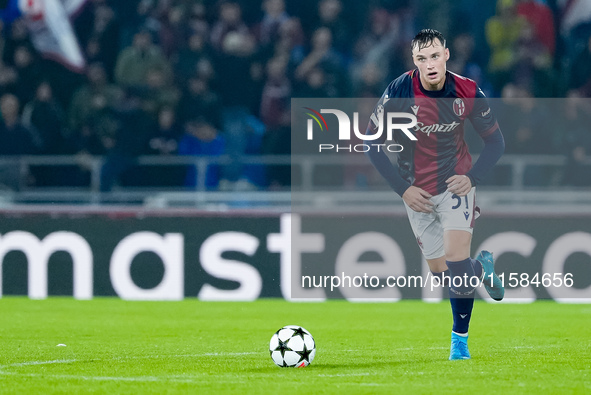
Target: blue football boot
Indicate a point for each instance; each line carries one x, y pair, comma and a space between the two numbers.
459, 347
495, 288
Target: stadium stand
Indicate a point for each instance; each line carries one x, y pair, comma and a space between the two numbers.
189, 95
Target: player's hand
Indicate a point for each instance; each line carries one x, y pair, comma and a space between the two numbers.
460, 185
418, 199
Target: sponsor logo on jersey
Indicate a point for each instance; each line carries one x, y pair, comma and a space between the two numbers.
485, 113
436, 127
415, 109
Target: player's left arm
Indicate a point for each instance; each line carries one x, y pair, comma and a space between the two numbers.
487, 127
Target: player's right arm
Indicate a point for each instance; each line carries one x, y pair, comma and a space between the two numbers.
378, 157
416, 198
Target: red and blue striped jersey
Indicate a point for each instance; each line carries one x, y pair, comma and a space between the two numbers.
440, 150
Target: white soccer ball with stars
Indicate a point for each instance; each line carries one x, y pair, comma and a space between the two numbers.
292, 347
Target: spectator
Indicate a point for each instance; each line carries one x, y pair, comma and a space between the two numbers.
198, 99
540, 17
18, 37
240, 95
45, 115
533, 67
276, 115
168, 133
315, 85
134, 62
8, 79
290, 43
273, 19
231, 63
229, 21
527, 130
206, 70
275, 108
164, 142
201, 138
462, 62
323, 56
171, 28
93, 96
101, 41
580, 73
28, 71
131, 130
371, 81
331, 17
158, 93
16, 139
198, 20
503, 32
187, 59
373, 51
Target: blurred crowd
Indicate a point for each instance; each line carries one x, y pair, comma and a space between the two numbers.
215, 77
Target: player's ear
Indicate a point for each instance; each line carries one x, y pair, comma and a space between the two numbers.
446, 54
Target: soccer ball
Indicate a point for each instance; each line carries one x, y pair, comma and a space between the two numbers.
292, 347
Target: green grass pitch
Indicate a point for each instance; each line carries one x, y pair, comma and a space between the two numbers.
114, 346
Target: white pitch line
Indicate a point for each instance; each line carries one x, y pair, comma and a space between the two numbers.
539, 346
57, 361
343, 375
210, 354
176, 379
38, 363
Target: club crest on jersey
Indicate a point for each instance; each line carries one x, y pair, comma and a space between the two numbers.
459, 107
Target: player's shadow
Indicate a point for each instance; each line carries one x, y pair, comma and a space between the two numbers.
375, 364
357, 366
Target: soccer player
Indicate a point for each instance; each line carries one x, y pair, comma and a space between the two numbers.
435, 176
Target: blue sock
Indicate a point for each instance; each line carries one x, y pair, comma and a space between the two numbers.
461, 309
462, 273
443, 277
461, 294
